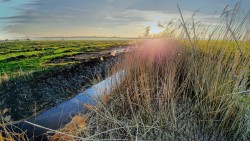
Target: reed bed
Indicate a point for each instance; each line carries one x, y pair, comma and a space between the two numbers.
166, 94
194, 86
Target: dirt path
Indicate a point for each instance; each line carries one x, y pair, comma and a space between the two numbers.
85, 57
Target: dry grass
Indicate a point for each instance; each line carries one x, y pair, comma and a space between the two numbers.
6, 133
190, 89
77, 123
166, 94
3, 77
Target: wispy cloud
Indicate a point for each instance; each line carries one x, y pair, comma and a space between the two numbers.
75, 9
99, 17
5, 0
35, 17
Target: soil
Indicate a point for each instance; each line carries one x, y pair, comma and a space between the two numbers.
91, 55
24, 97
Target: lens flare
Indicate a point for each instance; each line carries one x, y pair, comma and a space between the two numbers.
156, 30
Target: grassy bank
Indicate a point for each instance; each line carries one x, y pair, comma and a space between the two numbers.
166, 94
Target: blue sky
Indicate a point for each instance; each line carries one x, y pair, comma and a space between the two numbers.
125, 18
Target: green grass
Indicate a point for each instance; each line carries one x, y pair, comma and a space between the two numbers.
31, 56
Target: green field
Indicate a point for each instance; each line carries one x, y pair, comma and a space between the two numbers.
22, 57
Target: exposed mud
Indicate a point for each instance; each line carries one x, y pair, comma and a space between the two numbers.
84, 57
24, 97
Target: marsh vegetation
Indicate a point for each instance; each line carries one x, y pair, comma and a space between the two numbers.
179, 88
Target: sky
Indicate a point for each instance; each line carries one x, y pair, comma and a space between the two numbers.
122, 18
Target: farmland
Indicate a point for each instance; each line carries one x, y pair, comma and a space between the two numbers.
33, 79
24, 57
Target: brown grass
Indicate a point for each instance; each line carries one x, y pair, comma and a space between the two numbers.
9, 134
4, 77
166, 94
77, 122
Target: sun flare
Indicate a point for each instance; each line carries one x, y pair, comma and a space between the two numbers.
155, 29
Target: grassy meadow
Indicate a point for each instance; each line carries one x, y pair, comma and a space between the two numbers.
24, 57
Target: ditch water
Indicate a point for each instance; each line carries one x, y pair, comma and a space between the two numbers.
58, 116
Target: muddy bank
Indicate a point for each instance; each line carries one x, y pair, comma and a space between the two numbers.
44, 124
24, 97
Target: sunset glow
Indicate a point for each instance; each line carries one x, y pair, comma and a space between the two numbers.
106, 18
156, 30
